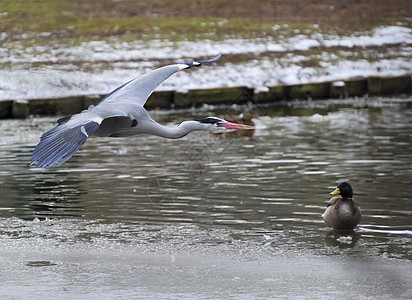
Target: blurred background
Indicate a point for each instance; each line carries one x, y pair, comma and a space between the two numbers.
55, 48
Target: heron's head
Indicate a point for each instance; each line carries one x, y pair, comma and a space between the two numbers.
218, 124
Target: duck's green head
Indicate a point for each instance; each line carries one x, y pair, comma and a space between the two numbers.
344, 189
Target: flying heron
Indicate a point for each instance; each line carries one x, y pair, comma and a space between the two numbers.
120, 114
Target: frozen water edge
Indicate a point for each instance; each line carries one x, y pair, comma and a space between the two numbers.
82, 260
198, 276
98, 67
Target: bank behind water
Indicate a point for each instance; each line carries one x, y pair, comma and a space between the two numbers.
372, 86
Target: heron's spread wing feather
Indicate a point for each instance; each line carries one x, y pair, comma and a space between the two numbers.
60, 143
139, 89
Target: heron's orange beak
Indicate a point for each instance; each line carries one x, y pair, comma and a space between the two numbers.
229, 125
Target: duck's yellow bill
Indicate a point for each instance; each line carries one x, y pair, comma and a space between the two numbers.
335, 192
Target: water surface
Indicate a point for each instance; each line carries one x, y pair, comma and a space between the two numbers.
212, 215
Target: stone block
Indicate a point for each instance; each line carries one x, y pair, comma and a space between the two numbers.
20, 109
389, 85
196, 98
308, 91
272, 94
356, 87
56, 106
161, 99
337, 89
6, 108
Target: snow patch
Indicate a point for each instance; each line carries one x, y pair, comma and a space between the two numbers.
98, 67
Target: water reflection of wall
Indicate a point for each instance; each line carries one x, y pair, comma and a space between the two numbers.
48, 196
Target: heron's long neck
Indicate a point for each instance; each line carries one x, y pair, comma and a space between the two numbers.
176, 132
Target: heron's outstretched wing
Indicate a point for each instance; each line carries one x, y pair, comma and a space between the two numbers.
59, 144
140, 88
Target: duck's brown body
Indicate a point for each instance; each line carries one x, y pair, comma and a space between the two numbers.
342, 213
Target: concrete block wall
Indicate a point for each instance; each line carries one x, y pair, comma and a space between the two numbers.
374, 86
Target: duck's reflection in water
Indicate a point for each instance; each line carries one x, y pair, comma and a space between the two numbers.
342, 239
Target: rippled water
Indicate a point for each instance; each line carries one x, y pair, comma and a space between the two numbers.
238, 195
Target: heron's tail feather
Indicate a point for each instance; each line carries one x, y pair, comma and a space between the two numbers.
59, 144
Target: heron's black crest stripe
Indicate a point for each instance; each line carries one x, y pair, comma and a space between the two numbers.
60, 144
209, 120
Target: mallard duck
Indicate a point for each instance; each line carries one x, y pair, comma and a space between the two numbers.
342, 213
246, 118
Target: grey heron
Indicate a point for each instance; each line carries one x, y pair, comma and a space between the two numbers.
120, 114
